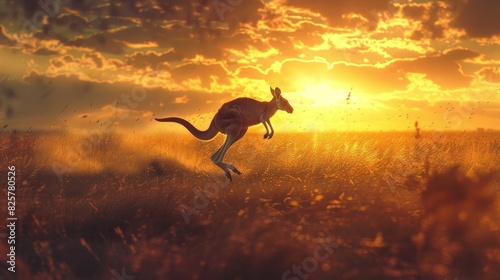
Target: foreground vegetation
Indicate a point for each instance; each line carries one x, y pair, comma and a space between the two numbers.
377, 205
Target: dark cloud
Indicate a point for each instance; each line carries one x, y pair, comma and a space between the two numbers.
4, 39
100, 42
244, 12
442, 68
460, 54
207, 73
309, 34
151, 59
106, 14
415, 12
426, 16
59, 62
41, 101
479, 18
430, 24
336, 10
183, 40
71, 26
73, 22
250, 72
89, 63
45, 51
294, 41
490, 74
96, 58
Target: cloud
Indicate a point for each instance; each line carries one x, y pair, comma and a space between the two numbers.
442, 68
337, 11
96, 59
479, 18
181, 99
4, 38
206, 73
151, 59
45, 51
73, 22
414, 11
490, 74
101, 42
243, 12
431, 22
89, 66
54, 102
429, 19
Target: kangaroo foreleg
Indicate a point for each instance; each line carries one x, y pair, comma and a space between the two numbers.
264, 121
272, 130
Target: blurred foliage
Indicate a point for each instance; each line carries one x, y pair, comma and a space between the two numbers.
460, 234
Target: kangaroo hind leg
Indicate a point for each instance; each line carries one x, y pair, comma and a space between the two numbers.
218, 156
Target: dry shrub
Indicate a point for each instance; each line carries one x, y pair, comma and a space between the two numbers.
459, 234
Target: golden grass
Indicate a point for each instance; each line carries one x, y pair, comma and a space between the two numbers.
117, 206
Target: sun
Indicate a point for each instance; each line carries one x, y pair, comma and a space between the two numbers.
323, 95
318, 108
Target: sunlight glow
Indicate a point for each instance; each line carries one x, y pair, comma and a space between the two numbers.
323, 95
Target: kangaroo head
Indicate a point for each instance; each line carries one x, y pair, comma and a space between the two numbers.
281, 102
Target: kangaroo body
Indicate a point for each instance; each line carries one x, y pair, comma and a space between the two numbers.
233, 119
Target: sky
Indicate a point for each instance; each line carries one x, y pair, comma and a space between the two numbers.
344, 65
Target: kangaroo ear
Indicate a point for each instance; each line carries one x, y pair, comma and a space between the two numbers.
277, 92
272, 91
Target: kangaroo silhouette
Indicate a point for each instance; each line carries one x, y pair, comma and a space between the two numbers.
233, 119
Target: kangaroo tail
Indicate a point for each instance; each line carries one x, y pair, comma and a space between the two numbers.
202, 135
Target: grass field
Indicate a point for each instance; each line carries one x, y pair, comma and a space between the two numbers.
307, 206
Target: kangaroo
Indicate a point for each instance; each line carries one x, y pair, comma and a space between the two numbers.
233, 119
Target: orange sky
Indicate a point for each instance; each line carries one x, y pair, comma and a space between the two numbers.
64, 66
